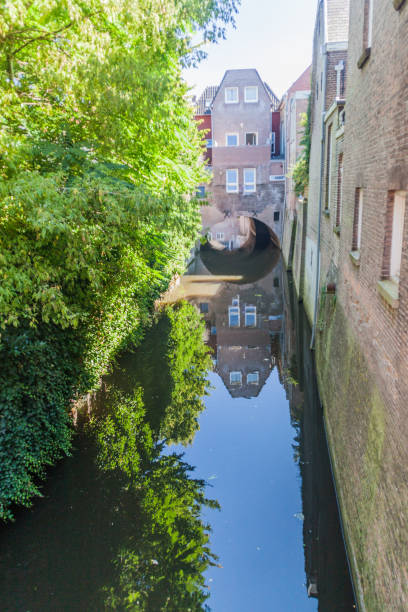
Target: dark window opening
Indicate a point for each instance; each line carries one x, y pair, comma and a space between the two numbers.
250, 138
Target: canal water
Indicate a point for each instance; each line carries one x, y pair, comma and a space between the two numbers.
124, 522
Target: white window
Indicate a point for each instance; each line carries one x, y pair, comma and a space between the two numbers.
249, 180
231, 140
250, 316
251, 93
370, 24
397, 234
273, 138
251, 138
235, 378
233, 316
360, 218
252, 378
219, 236
232, 180
231, 95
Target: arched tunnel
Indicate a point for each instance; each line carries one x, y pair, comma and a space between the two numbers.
256, 256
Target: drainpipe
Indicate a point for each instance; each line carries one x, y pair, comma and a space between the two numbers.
322, 147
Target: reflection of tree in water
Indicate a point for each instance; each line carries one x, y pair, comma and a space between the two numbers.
171, 367
162, 557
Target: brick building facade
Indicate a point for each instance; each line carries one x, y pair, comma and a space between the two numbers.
247, 168
355, 242
362, 348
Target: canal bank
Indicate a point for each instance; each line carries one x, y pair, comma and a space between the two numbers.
370, 477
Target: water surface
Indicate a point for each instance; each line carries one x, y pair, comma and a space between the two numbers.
260, 447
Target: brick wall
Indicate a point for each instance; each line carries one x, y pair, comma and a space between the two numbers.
240, 118
204, 125
362, 343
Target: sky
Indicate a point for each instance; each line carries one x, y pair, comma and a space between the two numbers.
273, 36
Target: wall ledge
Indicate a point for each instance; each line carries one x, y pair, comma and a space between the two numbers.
398, 4
364, 57
355, 257
388, 290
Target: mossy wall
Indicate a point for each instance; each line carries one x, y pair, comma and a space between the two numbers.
371, 482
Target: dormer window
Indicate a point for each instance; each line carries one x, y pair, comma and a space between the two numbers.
231, 95
251, 93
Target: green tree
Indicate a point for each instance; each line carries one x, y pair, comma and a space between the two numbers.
98, 156
300, 171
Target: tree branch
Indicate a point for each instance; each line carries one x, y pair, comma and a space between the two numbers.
43, 37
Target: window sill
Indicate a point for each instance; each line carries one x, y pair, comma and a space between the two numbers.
364, 57
398, 4
388, 290
336, 230
355, 257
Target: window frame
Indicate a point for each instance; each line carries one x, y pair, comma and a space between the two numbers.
253, 382
357, 221
231, 101
245, 94
246, 183
339, 203
394, 235
235, 382
234, 310
256, 139
219, 236
273, 143
329, 142
231, 134
250, 311
229, 183
200, 192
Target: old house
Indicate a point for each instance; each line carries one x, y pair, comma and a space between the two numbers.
247, 168
362, 339
355, 278
327, 102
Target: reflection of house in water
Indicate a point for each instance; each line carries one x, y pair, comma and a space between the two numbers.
244, 322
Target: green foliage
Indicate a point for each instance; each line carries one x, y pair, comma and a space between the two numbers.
38, 376
98, 153
300, 171
163, 568
124, 438
161, 565
171, 367
188, 362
